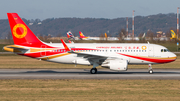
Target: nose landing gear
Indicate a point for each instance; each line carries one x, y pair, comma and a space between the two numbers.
150, 69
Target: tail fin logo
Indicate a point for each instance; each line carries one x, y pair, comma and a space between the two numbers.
81, 34
19, 31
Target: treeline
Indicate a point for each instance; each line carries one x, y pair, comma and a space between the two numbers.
95, 26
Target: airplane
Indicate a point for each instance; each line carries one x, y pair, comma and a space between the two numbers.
173, 35
105, 35
82, 37
115, 56
70, 35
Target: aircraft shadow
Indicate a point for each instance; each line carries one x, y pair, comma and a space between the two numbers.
85, 72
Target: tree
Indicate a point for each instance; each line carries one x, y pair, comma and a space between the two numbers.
122, 34
150, 34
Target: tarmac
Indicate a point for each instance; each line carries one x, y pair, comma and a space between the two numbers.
85, 74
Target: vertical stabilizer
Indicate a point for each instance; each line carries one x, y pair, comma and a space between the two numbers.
173, 35
81, 35
21, 33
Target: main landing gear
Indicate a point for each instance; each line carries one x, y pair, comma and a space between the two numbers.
150, 69
93, 71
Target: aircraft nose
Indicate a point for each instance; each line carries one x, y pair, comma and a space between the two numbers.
174, 56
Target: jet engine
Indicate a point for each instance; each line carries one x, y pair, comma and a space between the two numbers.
120, 65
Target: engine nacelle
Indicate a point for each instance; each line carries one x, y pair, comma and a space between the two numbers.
81, 62
120, 65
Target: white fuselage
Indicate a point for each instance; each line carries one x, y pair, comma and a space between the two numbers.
133, 53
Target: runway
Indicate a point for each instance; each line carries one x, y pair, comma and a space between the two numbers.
85, 74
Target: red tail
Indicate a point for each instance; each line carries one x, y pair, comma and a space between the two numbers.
21, 33
81, 34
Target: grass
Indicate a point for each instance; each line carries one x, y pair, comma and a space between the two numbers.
88, 90
16, 61
1, 47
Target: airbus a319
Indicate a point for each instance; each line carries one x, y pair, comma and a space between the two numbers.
115, 56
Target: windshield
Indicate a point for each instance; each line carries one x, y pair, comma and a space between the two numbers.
164, 50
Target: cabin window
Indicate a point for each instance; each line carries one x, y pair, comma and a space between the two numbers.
128, 50
139, 50
114, 50
142, 51
134, 50
162, 50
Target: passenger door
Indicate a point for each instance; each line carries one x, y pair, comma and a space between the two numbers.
151, 51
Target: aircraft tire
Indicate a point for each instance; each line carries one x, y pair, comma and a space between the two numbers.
93, 71
150, 71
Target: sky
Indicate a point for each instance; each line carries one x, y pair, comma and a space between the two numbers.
43, 9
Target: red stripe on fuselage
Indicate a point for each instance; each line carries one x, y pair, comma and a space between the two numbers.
151, 59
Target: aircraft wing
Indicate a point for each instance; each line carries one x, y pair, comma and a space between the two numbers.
84, 54
88, 55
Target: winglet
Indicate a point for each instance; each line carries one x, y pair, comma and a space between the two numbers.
65, 46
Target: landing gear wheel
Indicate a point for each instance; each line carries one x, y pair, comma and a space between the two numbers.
150, 71
93, 71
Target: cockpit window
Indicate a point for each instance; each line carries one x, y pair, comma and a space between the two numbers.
164, 50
